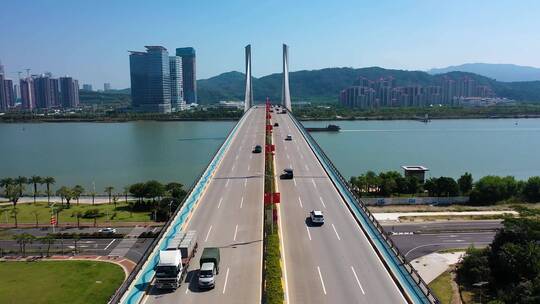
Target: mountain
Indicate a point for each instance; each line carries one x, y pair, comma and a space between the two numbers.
324, 85
500, 72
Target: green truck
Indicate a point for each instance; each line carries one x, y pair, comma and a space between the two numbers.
209, 267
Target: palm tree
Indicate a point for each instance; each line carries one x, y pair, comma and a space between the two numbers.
21, 181
49, 180
78, 190
13, 192
109, 191
78, 215
60, 192
36, 180
35, 213
49, 240
126, 191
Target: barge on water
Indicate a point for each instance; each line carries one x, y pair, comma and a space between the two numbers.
329, 128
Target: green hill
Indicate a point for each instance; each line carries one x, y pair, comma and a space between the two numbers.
324, 85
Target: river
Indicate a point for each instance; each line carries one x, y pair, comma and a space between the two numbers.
119, 154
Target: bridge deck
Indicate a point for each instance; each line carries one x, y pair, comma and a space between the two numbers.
229, 216
334, 263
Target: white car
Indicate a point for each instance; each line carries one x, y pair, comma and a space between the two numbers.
107, 230
316, 217
289, 137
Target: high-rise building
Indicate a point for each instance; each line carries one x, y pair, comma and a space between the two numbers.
189, 73
2, 68
9, 93
177, 87
28, 94
3, 99
87, 87
17, 91
106, 86
150, 80
69, 89
46, 90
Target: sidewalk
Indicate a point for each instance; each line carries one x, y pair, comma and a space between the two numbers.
394, 216
431, 266
83, 199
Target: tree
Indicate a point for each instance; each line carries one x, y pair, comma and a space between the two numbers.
115, 200
175, 190
36, 180
465, 183
13, 193
76, 238
531, 190
35, 213
78, 215
92, 214
474, 267
49, 240
60, 192
78, 190
138, 191
5, 182
23, 239
109, 190
49, 180
447, 186
21, 181
372, 181
153, 189
491, 189
413, 184
125, 192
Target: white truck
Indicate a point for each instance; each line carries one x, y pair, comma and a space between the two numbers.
174, 260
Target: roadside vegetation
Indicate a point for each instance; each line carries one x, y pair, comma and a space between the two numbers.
442, 287
273, 289
154, 201
507, 271
488, 190
59, 281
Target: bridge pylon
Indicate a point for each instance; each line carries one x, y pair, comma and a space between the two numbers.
285, 93
248, 100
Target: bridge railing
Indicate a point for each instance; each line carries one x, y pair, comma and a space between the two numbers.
121, 291
419, 286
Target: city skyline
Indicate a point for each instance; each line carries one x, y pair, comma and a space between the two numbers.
405, 35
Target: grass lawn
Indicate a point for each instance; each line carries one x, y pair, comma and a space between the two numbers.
26, 213
442, 287
58, 281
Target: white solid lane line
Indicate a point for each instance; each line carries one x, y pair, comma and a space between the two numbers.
227, 183
294, 181
357, 280
322, 282
245, 182
322, 202
241, 202
219, 204
109, 244
313, 182
300, 201
336, 232
235, 232
208, 234
309, 234
226, 278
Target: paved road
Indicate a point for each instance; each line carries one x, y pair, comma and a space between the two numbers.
229, 216
432, 237
334, 263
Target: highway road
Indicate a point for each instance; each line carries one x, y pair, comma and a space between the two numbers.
229, 216
416, 240
334, 263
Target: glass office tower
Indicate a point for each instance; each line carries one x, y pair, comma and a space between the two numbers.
189, 73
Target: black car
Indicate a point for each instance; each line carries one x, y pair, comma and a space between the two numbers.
257, 149
276, 124
287, 174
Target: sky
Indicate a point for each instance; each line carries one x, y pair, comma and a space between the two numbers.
89, 40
